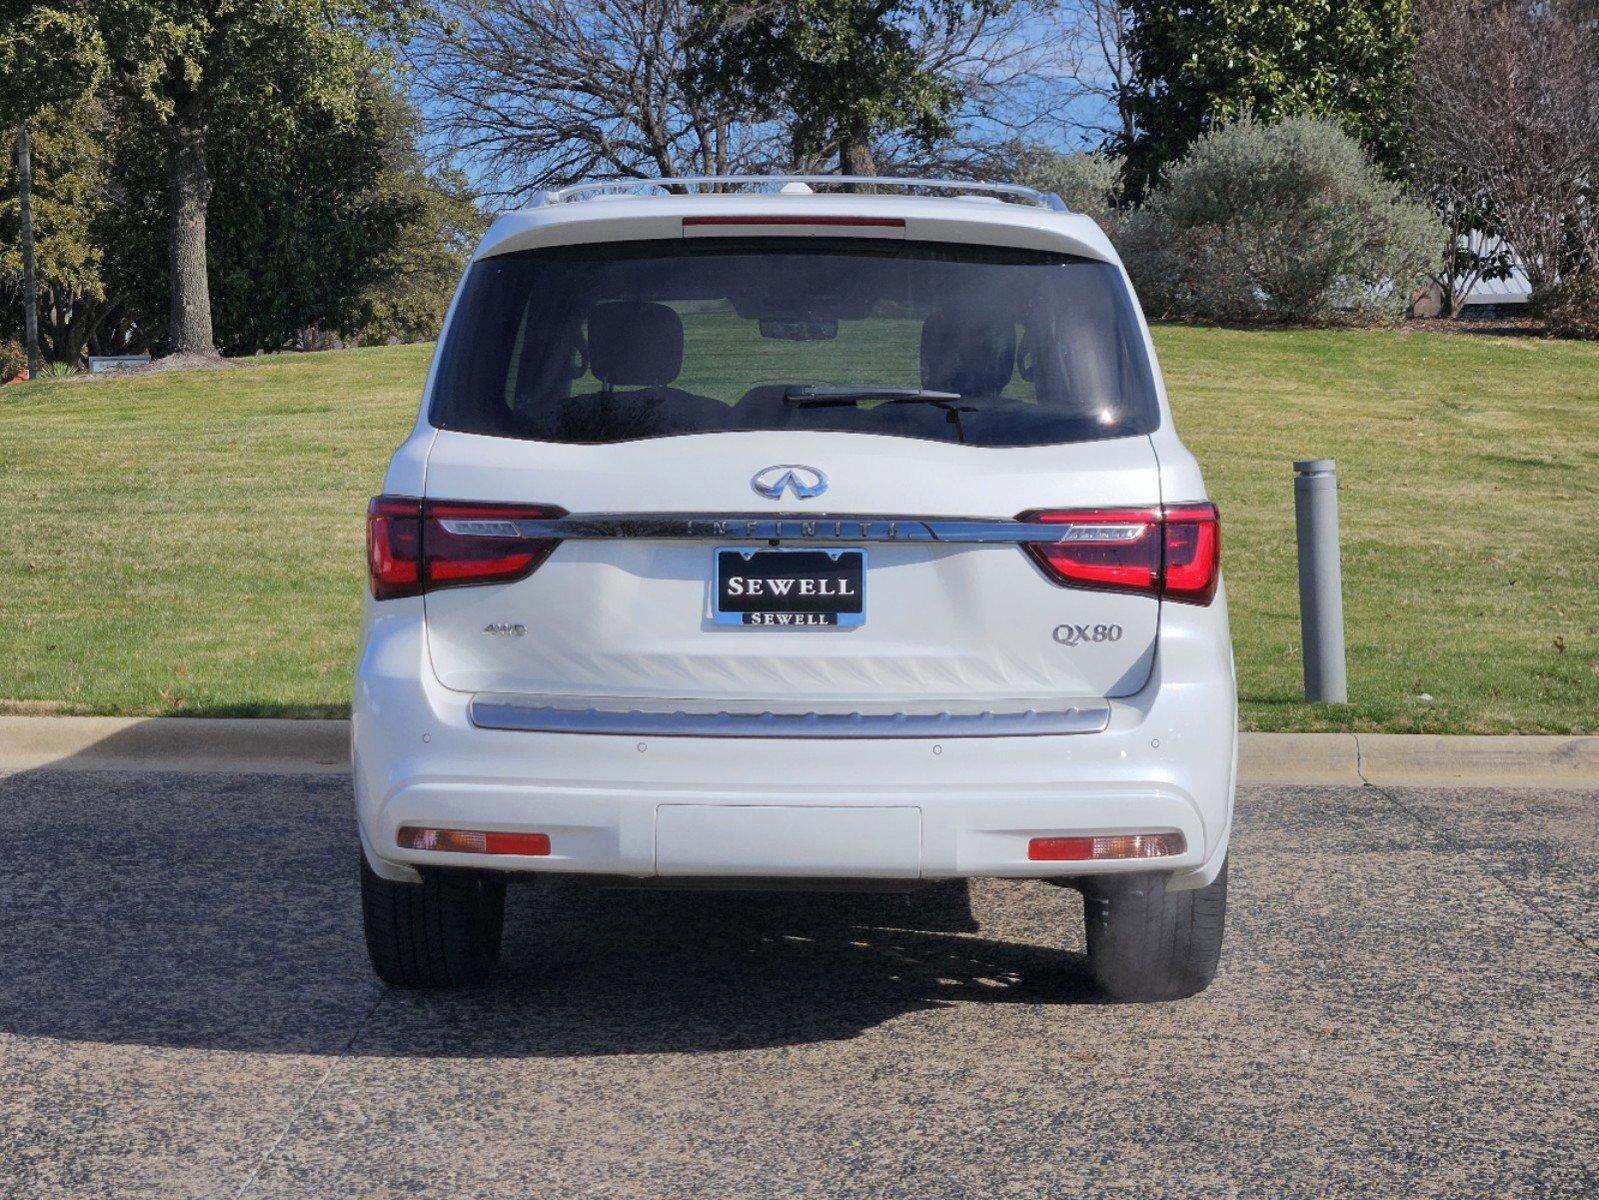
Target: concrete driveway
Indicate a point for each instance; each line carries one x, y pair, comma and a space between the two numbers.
1408, 1006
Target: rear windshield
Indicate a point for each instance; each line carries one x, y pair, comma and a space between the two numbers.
636, 340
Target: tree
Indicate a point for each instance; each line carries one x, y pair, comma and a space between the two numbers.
1007, 86
1472, 251
69, 206
533, 94
414, 279
300, 223
48, 55
537, 93
838, 73
1203, 63
1090, 53
1505, 124
182, 61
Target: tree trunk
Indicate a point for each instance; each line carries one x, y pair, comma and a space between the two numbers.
108, 333
30, 280
856, 158
189, 188
855, 155
72, 319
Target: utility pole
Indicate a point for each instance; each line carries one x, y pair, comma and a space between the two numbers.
30, 281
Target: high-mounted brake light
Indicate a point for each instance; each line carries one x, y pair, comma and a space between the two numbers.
416, 546
1173, 552
818, 219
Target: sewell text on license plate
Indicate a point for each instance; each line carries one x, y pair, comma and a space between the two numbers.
787, 588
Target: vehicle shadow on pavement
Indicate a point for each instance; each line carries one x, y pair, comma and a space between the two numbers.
222, 913
589, 971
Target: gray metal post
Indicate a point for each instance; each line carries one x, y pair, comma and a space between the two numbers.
1321, 593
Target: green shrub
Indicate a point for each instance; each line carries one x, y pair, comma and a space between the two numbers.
1288, 223
1571, 307
13, 360
1090, 184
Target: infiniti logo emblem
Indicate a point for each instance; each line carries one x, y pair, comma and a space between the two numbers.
802, 481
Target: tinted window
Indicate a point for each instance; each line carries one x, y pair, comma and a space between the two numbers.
652, 339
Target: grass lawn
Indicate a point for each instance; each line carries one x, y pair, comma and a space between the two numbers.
191, 543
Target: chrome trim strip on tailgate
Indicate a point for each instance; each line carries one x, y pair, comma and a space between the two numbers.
825, 527
528, 714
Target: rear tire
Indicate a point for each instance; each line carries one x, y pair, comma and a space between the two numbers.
442, 932
1148, 943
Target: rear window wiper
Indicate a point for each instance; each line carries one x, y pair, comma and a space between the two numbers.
847, 395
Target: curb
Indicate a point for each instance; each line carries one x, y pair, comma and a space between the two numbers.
1434, 760
189, 744
1325, 759
174, 744
1418, 760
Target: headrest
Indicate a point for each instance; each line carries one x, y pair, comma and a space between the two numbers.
634, 343
968, 350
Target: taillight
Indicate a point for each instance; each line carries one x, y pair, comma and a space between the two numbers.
420, 546
1192, 553
1173, 552
394, 547
481, 543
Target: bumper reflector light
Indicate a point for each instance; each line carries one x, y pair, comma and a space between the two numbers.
473, 841
1090, 849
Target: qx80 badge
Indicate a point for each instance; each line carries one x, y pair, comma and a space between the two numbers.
1082, 635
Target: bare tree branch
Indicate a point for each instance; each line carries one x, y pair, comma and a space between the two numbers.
534, 93
529, 94
1505, 124
1007, 71
1089, 67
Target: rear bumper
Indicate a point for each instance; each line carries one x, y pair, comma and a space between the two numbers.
757, 807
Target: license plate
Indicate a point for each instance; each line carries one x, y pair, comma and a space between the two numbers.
778, 588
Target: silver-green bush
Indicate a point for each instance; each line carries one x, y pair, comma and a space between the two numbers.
1089, 183
1286, 223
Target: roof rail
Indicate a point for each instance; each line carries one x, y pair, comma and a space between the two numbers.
721, 184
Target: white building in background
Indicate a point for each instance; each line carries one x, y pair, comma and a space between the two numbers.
1488, 294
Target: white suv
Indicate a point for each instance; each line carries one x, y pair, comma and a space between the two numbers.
763, 535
